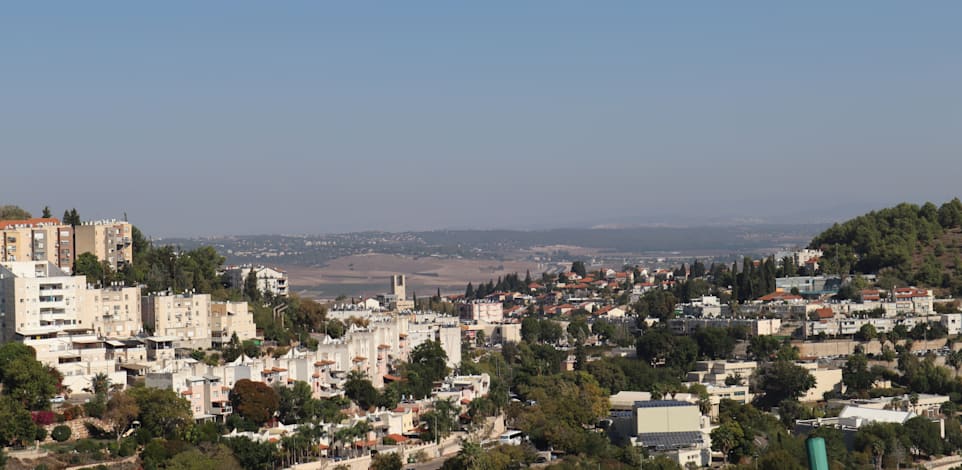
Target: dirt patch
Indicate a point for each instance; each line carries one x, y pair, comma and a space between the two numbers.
370, 274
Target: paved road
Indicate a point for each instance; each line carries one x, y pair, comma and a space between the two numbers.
431, 465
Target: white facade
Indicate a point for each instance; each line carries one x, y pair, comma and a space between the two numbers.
37, 298
482, 312
182, 316
269, 280
952, 322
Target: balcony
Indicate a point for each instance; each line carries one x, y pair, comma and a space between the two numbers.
221, 408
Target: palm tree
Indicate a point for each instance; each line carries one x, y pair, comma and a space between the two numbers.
471, 455
878, 450
340, 436
360, 430
99, 384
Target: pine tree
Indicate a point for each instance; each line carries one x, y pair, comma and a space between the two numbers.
469, 292
46, 212
251, 290
527, 278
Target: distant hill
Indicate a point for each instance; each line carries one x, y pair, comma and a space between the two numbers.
547, 245
905, 244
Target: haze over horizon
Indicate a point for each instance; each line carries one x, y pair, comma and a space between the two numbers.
239, 118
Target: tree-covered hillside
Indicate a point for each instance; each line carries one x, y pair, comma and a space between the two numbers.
905, 244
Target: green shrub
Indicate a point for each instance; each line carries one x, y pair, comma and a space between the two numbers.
127, 448
61, 433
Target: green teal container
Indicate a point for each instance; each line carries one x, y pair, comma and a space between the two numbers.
817, 457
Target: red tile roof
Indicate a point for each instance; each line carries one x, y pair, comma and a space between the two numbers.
779, 296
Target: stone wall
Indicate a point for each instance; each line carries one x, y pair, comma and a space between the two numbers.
844, 347
78, 428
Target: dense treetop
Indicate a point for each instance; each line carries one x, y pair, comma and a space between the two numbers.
906, 243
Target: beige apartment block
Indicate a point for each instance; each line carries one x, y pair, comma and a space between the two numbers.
37, 299
826, 380
37, 240
230, 318
185, 317
108, 240
112, 312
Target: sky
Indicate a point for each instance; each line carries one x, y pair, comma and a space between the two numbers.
233, 117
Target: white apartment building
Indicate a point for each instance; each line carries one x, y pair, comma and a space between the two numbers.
481, 312
463, 388
850, 326
185, 317
269, 280
38, 299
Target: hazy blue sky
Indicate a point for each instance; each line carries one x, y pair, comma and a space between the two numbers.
288, 117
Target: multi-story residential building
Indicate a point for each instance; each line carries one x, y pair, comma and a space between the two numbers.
952, 323
207, 395
706, 306
463, 388
53, 313
112, 312
809, 285
444, 330
185, 317
753, 326
108, 240
38, 298
228, 319
481, 312
913, 300
845, 326
37, 240
271, 281
826, 380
